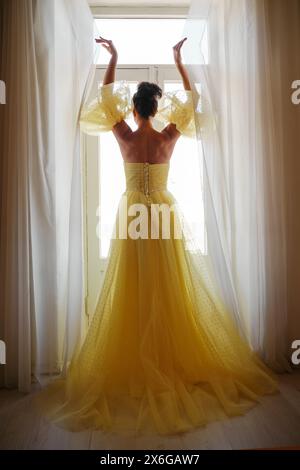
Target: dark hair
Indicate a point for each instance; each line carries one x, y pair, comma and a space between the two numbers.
145, 99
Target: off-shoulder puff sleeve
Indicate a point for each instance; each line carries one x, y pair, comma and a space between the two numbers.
111, 106
178, 107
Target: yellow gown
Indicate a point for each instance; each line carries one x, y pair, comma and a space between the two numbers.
162, 354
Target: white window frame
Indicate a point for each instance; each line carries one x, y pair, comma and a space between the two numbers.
164, 12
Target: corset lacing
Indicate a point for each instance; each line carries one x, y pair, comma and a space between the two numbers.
146, 184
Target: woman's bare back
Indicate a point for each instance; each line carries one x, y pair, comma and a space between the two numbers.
146, 144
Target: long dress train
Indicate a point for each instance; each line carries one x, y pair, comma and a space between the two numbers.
162, 354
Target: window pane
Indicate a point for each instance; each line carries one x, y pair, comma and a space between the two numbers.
185, 173
112, 181
140, 41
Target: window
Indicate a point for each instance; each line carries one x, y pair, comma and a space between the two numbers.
185, 167
142, 41
104, 174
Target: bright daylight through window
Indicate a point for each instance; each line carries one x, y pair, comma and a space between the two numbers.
143, 41
147, 43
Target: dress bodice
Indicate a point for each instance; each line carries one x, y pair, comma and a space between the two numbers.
146, 177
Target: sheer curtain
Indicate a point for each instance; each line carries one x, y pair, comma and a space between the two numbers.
245, 89
46, 63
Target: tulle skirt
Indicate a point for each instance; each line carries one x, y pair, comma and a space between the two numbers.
162, 354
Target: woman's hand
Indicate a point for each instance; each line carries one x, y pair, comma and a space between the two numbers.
109, 46
181, 68
109, 76
177, 51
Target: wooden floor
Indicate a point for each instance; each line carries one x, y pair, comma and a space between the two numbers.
274, 423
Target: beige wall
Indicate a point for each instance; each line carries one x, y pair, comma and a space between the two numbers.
284, 21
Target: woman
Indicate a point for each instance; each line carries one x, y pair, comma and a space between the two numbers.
162, 354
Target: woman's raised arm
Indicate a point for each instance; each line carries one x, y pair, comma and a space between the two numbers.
181, 68
109, 76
